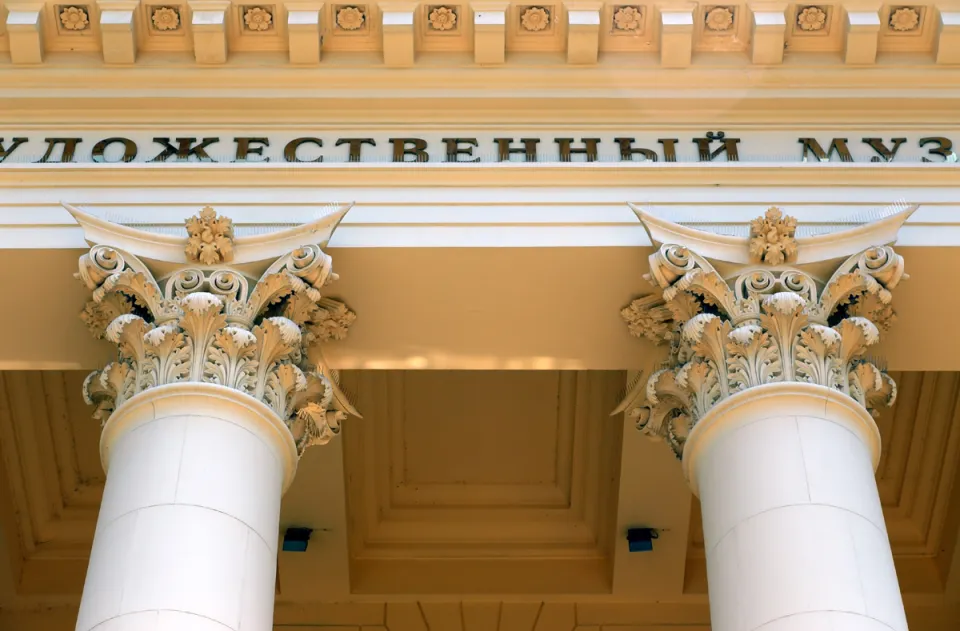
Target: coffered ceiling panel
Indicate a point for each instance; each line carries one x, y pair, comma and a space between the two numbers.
468, 472
54, 480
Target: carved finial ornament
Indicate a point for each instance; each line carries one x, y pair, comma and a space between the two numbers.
214, 324
761, 323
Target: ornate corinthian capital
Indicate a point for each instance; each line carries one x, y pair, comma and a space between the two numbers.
178, 313
743, 311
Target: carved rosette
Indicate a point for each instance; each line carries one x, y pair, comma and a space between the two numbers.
74, 18
812, 19
535, 19
628, 18
258, 19
719, 19
166, 18
350, 18
216, 325
758, 325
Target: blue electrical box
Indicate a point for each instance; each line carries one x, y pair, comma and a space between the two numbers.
641, 539
296, 539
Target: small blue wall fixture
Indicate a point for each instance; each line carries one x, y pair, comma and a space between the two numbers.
641, 539
296, 539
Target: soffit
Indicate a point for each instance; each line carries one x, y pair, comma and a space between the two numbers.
482, 481
498, 473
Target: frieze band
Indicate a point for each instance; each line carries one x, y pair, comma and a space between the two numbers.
711, 147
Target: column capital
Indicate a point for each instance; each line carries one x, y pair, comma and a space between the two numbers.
243, 312
761, 305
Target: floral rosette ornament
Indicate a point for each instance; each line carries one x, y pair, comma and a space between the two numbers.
627, 19
535, 19
719, 19
258, 19
904, 19
74, 18
811, 19
350, 18
211, 238
772, 238
165, 19
443, 19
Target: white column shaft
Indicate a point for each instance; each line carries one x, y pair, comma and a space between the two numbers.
794, 532
187, 533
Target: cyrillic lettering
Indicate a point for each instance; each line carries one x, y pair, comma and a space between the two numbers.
244, 150
13, 147
100, 150
669, 148
69, 148
728, 146
567, 152
184, 149
887, 155
944, 148
401, 150
290, 151
529, 150
627, 151
355, 145
838, 146
454, 150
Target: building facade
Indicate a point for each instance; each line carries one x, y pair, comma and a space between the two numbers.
479, 316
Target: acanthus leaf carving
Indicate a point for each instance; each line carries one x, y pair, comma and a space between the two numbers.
648, 317
759, 326
218, 325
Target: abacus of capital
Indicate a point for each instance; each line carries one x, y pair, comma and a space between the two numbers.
217, 389
766, 398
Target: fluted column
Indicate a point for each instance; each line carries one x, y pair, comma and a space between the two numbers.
767, 398
216, 390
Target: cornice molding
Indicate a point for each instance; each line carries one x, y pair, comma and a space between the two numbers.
490, 174
813, 82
